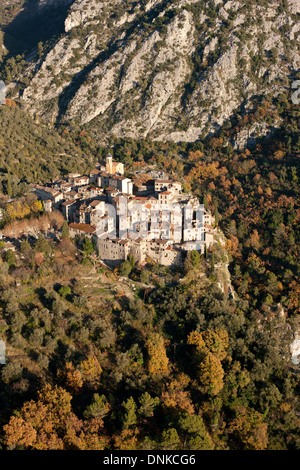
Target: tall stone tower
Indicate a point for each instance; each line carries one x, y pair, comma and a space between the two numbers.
109, 164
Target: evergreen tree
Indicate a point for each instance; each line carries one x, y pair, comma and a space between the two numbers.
129, 413
98, 408
8, 186
125, 268
212, 262
65, 230
87, 246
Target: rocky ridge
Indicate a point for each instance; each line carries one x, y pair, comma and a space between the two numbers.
164, 69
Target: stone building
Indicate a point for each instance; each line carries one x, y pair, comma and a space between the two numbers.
48, 205
114, 168
93, 176
167, 185
149, 217
85, 230
114, 251
68, 209
44, 194
124, 185
81, 181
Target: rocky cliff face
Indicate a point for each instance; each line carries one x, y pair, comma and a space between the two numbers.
164, 69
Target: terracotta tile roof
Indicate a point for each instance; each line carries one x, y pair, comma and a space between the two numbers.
81, 178
142, 178
95, 203
163, 181
83, 227
69, 202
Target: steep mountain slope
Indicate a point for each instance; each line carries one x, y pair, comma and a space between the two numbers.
163, 69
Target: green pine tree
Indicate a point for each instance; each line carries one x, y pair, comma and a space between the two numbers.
129, 414
65, 230
8, 186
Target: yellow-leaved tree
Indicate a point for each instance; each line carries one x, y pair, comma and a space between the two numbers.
211, 348
213, 341
158, 362
91, 370
249, 426
50, 424
211, 374
70, 377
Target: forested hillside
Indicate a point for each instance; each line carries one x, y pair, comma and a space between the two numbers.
165, 358
95, 363
176, 363
32, 152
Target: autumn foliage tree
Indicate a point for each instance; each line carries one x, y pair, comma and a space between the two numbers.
33, 225
175, 398
157, 357
213, 341
211, 347
50, 424
91, 370
126, 440
70, 377
251, 429
211, 374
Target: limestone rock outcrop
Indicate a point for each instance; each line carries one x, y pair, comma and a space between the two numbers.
164, 69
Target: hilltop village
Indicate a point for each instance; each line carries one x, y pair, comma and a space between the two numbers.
149, 217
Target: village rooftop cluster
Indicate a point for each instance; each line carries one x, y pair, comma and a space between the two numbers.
149, 217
